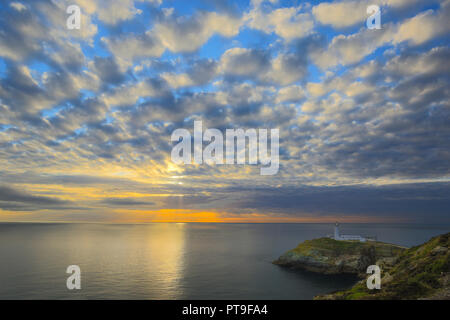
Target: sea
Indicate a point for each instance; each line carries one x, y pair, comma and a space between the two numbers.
174, 260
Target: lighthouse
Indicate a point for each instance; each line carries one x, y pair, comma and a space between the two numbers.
336, 231
342, 237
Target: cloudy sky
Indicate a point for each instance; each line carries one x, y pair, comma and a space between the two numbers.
86, 115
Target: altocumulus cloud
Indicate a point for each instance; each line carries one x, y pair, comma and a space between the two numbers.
86, 115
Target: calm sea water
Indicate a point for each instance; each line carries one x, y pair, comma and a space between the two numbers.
172, 261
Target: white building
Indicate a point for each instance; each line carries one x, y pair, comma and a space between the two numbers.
338, 236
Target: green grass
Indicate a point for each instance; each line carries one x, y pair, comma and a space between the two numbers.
335, 248
417, 273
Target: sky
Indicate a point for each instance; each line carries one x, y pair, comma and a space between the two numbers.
86, 115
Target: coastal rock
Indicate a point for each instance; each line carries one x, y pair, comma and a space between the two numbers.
328, 256
421, 272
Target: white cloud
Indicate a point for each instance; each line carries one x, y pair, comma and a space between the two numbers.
292, 93
243, 62
287, 23
349, 49
130, 94
344, 14
432, 62
175, 34
423, 27
188, 34
112, 11
284, 69
18, 6
178, 80
129, 48
341, 14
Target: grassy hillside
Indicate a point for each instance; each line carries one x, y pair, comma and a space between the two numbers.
420, 272
333, 248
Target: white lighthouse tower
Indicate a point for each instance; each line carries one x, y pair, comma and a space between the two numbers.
343, 237
336, 232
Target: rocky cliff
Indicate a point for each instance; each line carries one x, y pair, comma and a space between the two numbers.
421, 272
329, 256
